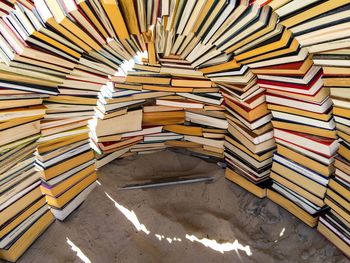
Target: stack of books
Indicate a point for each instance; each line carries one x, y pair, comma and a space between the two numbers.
249, 144
321, 31
155, 107
304, 126
64, 157
304, 130
81, 58
24, 212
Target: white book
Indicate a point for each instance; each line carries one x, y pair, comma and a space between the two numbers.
329, 125
251, 125
294, 6
205, 141
145, 131
62, 214
206, 120
313, 107
109, 158
247, 157
19, 190
244, 168
64, 156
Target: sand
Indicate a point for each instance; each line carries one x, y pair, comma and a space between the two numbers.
171, 224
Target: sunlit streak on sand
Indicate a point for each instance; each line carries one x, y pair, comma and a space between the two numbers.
130, 215
221, 247
210, 243
80, 253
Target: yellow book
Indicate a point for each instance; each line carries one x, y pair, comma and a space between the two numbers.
305, 161
313, 12
163, 118
333, 238
56, 44
271, 26
249, 114
282, 42
292, 208
23, 243
182, 129
93, 18
344, 136
279, 52
72, 192
18, 121
230, 65
151, 53
19, 205
338, 188
339, 210
205, 152
60, 142
22, 216
182, 144
148, 80
336, 82
66, 165
66, 184
19, 132
129, 11
344, 152
306, 129
115, 16
244, 183
69, 25
322, 117
341, 112
27, 79
328, 70
7, 104
240, 146
339, 199
67, 34
299, 190
203, 15
299, 179
167, 88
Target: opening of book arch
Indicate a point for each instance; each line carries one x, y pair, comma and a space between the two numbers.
259, 89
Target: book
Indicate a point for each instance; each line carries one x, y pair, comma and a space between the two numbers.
259, 84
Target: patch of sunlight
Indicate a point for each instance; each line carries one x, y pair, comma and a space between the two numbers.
169, 239
159, 237
128, 65
130, 215
80, 253
282, 232
221, 247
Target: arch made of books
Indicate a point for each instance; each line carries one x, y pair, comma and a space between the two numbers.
261, 84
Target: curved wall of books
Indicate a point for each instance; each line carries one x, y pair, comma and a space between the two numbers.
261, 84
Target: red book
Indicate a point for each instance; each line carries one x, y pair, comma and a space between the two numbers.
321, 145
291, 85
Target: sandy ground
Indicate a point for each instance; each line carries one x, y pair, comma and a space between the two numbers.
216, 222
